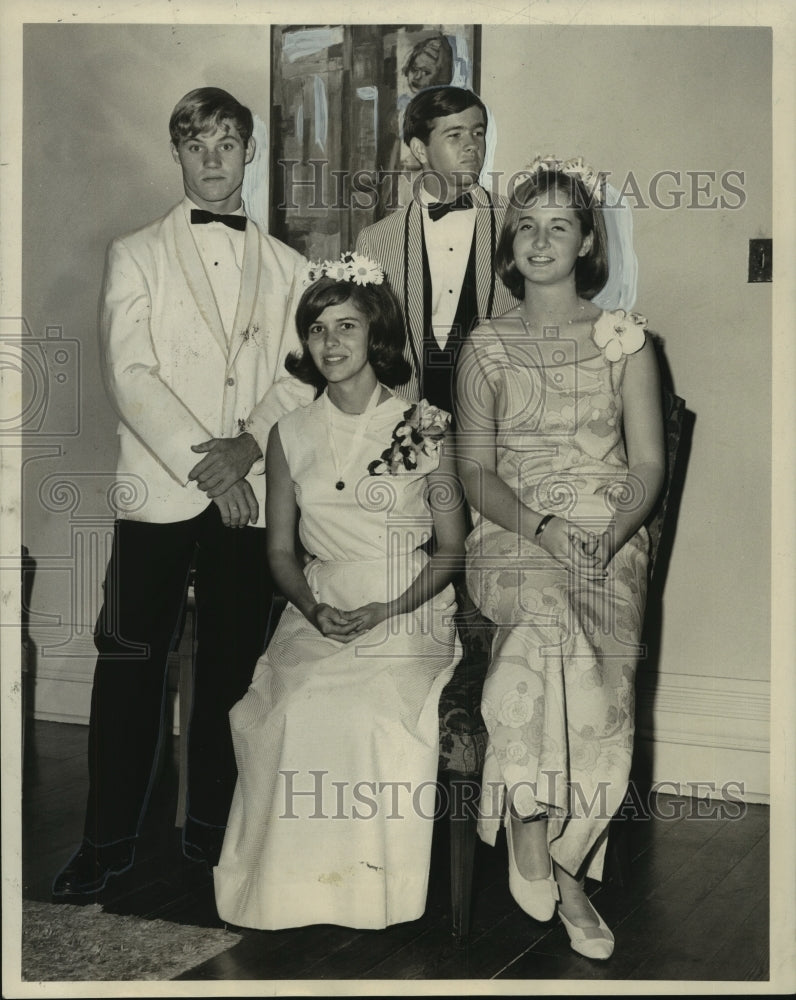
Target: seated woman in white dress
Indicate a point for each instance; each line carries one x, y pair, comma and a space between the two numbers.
561, 445
336, 739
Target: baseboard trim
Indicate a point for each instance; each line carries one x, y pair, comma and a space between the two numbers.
707, 733
67, 697
695, 732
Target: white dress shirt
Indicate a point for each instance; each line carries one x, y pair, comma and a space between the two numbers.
448, 242
221, 250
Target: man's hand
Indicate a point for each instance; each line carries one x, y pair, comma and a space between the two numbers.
238, 505
226, 461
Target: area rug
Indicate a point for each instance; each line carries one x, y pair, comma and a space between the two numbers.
63, 943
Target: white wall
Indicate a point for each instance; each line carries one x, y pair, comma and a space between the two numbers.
97, 163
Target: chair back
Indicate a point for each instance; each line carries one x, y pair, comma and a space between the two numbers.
673, 412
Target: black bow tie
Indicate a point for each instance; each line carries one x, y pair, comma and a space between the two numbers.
199, 217
440, 209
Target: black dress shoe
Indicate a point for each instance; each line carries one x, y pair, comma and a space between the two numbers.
202, 843
90, 868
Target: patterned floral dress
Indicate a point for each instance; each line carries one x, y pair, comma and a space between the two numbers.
337, 744
558, 701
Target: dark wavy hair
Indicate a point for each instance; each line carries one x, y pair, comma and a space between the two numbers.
552, 187
386, 330
206, 108
436, 102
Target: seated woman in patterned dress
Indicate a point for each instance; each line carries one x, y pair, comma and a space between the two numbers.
560, 448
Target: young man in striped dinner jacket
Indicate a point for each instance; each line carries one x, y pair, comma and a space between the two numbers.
438, 251
438, 254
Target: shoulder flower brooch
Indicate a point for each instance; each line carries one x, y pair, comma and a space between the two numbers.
619, 332
415, 441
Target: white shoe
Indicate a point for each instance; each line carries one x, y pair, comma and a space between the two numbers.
538, 896
592, 942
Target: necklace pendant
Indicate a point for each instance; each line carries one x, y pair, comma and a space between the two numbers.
339, 485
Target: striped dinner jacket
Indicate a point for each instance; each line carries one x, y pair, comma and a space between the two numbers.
396, 242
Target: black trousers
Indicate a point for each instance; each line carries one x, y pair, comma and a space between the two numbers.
145, 586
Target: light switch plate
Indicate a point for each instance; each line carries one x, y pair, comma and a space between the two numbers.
759, 260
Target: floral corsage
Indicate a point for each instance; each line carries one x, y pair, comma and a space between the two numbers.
415, 441
619, 332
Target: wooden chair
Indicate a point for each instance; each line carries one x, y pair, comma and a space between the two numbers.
463, 736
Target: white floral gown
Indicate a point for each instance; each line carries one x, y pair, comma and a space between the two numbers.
558, 701
337, 744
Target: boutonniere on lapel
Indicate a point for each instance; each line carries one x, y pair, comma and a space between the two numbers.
619, 332
250, 333
415, 441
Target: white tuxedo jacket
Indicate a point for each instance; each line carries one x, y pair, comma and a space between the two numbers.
169, 370
396, 242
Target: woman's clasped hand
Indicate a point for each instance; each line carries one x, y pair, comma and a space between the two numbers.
585, 553
345, 626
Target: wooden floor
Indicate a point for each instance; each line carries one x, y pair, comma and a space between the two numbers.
697, 908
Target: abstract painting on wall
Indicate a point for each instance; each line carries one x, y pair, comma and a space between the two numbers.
339, 93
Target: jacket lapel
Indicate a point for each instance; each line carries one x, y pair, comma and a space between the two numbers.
413, 280
485, 243
192, 268
248, 297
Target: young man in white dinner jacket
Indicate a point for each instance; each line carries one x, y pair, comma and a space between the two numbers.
196, 317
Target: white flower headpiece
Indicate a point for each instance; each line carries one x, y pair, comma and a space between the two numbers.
351, 267
574, 167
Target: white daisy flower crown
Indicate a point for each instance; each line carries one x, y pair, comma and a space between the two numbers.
574, 167
351, 267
